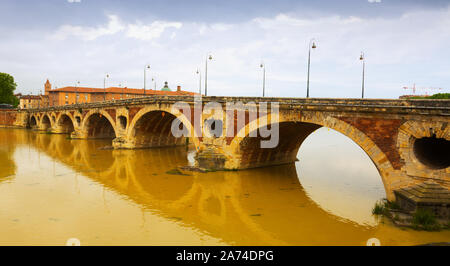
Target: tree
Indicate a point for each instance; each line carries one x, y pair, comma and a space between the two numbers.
7, 87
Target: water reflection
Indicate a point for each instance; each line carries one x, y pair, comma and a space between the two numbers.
339, 176
126, 196
7, 164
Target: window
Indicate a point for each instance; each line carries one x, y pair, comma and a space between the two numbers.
67, 96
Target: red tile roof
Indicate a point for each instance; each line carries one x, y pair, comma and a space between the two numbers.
29, 97
121, 90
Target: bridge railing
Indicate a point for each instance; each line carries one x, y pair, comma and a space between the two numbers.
405, 104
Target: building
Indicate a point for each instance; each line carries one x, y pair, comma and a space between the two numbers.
74, 95
33, 101
413, 96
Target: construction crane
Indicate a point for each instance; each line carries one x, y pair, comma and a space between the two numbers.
413, 88
426, 89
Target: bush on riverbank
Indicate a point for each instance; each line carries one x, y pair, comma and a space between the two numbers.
382, 207
422, 219
425, 219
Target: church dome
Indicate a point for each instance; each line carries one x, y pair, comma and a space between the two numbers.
166, 87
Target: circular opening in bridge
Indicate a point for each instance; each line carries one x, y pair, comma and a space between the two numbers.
433, 152
123, 122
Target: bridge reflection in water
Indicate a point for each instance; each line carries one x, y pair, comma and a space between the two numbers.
65, 188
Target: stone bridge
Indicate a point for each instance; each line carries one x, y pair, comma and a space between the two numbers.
407, 140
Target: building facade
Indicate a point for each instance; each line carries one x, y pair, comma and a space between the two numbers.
33, 101
74, 95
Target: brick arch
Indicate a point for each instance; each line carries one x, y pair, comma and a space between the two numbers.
308, 124
44, 117
87, 118
36, 121
131, 133
59, 122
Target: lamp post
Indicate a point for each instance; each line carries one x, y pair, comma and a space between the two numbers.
312, 44
145, 79
104, 86
76, 90
199, 81
263, 66
206, 74
363, 59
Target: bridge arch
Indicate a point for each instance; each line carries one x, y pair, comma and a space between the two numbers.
33, 121
46, 122
65, 123
293, 131
151, 127
99, 124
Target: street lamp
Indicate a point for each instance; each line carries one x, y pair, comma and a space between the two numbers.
312, 44
76, 90
206, 74
363, 59
145, 79
104, 86
199, 81
263, 66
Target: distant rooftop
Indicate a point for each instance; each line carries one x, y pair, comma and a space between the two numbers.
121, 90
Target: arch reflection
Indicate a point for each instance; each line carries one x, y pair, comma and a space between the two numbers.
258, 206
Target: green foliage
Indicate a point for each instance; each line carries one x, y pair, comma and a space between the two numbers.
382, 207
425, 219
435, 96
379, 208
7, 87
392, 205
440, 96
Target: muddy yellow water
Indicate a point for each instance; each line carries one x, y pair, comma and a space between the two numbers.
53, 189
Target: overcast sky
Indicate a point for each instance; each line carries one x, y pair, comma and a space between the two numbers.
404, 42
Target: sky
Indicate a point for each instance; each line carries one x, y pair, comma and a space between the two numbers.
66, 41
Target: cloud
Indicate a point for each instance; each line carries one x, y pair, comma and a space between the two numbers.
152, 31
74, 1
90, 33
374, 1
399, 50
137, 30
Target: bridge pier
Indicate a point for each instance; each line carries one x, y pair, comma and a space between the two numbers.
122, 142
78, 134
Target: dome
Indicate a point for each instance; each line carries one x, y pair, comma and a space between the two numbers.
166, 87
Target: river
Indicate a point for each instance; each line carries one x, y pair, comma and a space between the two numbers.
53, 188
